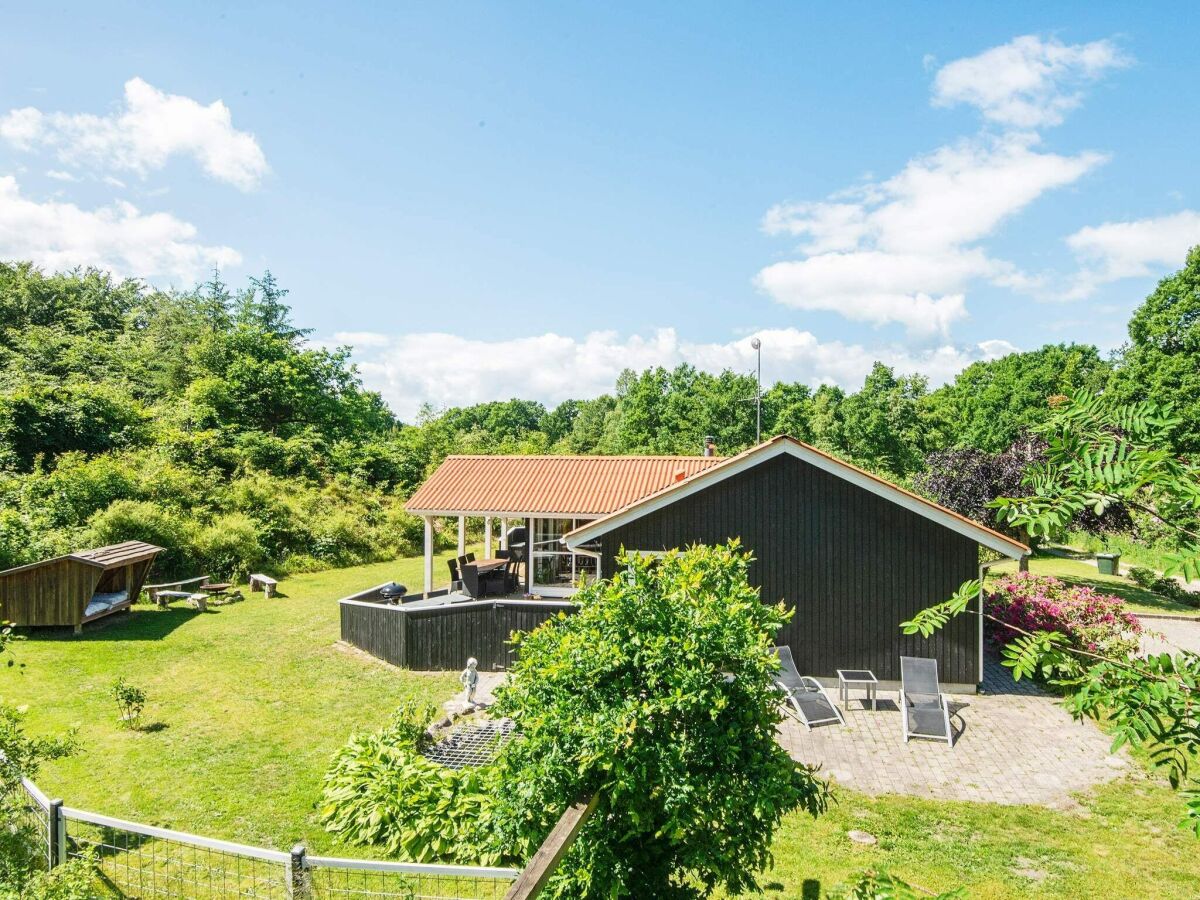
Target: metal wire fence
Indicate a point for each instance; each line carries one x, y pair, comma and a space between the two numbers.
31, 815
337, 879
132, 860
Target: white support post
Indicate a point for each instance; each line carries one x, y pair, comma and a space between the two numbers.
462, 535
504, 534
487, 537
428, 554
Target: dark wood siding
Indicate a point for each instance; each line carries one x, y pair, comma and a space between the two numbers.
852, 564
441, 638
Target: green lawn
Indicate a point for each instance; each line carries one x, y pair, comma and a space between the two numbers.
248, 702
1078, 571
1123, 842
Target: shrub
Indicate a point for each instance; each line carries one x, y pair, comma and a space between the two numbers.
657, 699
1143, 577
230, 546
22, 849
130, 700
136, 520
383, 792
1089, 620
1168, 588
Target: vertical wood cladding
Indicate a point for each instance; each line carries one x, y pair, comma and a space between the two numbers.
441, 638
852, 564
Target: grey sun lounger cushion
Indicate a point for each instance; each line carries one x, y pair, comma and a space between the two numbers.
923, 706
804, 694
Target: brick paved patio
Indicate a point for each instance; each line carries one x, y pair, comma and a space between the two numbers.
1013, 744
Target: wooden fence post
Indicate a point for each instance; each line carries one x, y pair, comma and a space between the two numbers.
299, 878
535, 875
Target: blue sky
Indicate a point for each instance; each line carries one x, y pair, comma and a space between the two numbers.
492, 200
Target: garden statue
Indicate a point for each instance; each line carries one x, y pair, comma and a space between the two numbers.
470, 681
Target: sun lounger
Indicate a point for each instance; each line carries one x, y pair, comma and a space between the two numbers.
803, 694
923, 706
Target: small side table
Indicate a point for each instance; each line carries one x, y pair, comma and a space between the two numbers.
858, 678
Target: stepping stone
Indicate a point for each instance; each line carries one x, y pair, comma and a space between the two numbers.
861, 837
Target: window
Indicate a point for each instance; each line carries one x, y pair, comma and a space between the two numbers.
556, 570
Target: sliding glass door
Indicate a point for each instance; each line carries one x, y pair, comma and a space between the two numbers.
557, 572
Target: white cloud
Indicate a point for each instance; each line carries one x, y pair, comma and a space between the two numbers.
1136, 249
451, 370
58, 235
150, 128
903, 249
1030, 82
59, 175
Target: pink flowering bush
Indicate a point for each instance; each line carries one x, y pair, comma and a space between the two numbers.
1090, 620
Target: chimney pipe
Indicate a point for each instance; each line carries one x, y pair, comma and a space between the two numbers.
710, 445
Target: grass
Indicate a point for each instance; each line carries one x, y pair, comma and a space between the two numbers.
1122, 842
249, 701
1080, 572
1133, 553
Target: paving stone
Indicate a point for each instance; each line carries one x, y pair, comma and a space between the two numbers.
1014, 744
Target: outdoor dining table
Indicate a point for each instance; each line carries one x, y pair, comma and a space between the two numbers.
489, 565
216, 590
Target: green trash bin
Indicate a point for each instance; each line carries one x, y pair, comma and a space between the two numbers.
1109, 563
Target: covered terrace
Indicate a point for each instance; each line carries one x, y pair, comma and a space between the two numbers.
547, 496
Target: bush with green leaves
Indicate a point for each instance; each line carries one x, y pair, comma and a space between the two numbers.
1167, 588
130, 700
880, 885
22, 849
657, 699
381, 791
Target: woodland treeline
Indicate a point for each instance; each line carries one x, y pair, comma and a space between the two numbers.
204, 421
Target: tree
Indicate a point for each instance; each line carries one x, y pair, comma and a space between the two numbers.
261, 307
788, 409
1162, 360
990, 403
668, 718
882, 425
1101, 454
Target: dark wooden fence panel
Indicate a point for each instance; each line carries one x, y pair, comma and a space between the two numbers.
441, 638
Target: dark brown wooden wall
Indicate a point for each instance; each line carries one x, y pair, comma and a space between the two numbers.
852, 564
52, 594
442, 638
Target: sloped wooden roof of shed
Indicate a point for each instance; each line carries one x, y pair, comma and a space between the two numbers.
110, 557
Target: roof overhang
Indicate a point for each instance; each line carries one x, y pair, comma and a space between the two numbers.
499, 513
783, 445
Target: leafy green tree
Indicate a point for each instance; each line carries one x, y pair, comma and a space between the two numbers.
881, 423
1162, 360
990, 403
261, 307
668, 718
827, 421
788, 409
1101, 454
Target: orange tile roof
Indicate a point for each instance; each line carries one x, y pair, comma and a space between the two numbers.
548, 485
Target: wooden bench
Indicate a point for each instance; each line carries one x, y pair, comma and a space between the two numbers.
264, 583
164, 593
